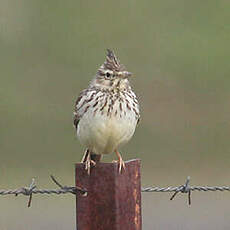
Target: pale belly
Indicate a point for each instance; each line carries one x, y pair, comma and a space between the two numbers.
102, 134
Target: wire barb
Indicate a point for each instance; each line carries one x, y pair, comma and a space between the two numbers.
27, 191
70, 189
184, 189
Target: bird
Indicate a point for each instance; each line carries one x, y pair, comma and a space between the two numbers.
106, 113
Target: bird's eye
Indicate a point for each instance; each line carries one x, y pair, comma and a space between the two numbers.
108, 74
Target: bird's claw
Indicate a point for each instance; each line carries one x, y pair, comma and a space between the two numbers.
88, 163
121, 165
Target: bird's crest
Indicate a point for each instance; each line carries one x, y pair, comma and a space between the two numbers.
112, 62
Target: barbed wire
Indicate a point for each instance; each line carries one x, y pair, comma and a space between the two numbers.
185, 188
32, 189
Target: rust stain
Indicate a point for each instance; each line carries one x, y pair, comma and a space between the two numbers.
137, 206
137, 209
137, 219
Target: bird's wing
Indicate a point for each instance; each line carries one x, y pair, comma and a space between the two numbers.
136, 108
77, 110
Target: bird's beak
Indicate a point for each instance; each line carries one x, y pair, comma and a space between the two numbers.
127, 74
124, 74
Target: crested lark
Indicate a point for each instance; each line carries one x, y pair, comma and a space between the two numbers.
107, 112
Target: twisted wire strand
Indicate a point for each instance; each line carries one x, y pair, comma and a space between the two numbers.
192, 188
38, 191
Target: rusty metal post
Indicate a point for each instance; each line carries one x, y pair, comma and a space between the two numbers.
113, 201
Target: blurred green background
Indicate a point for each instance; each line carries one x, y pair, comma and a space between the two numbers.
179, 54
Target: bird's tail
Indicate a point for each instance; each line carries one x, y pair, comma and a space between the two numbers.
95, 157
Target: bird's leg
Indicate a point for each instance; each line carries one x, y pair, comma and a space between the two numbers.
87, 152
87, 160
120, 161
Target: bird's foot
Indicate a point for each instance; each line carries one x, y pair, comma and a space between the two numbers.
121, 163
88, 163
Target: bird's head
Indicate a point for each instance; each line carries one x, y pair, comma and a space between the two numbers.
112, 74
